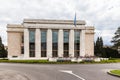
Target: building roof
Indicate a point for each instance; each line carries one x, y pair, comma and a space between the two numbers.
47, 21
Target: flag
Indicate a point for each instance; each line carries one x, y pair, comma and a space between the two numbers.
75, 20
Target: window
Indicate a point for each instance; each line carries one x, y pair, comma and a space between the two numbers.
22, 49
55, 43
66, 43
22, 38
43, 43
32, 42
76, 43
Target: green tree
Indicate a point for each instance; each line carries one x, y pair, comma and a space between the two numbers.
101, 42
116, 38
3, 52
98, 49
111, 53
102, 51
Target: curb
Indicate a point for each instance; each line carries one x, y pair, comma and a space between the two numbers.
112, 74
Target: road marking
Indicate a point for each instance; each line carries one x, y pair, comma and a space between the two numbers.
70, 72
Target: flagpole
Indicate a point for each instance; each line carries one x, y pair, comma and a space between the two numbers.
75, 20
75, 35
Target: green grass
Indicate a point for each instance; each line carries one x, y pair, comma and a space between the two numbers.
115, 72
24, 61
34, 62
47, 62
111, 61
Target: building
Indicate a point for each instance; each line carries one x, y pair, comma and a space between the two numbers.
43, 39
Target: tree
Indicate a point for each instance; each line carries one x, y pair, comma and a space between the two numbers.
3, 52
111, 53
116, 38
98, 49
101, 42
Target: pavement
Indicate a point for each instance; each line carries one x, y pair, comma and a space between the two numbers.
16, 71
12, 75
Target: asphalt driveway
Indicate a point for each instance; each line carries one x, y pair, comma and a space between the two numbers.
62, 71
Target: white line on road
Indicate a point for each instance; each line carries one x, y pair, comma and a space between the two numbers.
70, 72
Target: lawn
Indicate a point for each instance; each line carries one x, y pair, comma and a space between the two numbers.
115, 72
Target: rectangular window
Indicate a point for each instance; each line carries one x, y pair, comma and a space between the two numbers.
22, 43
55, 43
32, 42
66, 43
22, 38
43, 43
76, 43
22, 49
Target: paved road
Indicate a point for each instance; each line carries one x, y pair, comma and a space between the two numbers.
63, 72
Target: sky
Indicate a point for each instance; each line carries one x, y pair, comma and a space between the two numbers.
104, 15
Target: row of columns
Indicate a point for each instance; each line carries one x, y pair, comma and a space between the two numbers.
49, 43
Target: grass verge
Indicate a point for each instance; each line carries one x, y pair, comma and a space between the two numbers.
110, 61
115, 73
68, 62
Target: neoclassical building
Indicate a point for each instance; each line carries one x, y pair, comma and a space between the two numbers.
43, 39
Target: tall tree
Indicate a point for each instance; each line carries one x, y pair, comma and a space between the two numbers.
97, 47
99, 51
102, 51
3, 52
116, 38
101, 42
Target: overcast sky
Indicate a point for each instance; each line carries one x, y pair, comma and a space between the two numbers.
103, 14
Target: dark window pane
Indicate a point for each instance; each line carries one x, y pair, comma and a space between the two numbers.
22, 49
55, 43
32, 42
22, 38
66, 43
43, 43
32, 36
76, 43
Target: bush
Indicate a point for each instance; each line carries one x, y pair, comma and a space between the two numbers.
63, 60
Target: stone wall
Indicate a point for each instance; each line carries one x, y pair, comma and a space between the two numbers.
89, 43
14, 43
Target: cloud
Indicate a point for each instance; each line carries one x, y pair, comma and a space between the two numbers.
103, 14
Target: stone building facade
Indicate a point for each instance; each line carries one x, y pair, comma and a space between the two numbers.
43, 39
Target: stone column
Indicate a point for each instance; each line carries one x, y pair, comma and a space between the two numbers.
37, 43
26, 43
82, 43
49, 43
60, 43
71, 43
